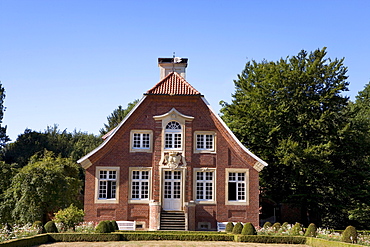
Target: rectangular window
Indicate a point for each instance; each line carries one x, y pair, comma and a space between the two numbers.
237, 187
204, 141
140, 185
204, 185
172, 141
107, 184
141, 141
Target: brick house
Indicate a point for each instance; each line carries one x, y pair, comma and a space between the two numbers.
172, 155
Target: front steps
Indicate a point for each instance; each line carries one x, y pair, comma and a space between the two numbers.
172, 221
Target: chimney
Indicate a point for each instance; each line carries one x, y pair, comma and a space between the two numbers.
167, 65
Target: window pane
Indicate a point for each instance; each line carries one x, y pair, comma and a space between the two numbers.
167, 190
103, 174
209, 142
176, 189
176, 175
173, 125
241, 191
232, 191
168, 141
177, 141
200, 191
136, 143
232, 176
146, 141
200, 142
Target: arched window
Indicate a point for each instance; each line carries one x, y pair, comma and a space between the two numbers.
172, 135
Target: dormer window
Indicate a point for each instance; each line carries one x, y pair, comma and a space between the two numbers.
173, 134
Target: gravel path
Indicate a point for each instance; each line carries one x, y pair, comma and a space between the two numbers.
167, 244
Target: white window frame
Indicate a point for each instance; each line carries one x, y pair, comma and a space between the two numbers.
243, 184
140, 180
173, 134
142, 147
98, 181
204, 149
203, 185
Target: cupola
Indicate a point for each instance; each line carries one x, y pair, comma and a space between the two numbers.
174, 64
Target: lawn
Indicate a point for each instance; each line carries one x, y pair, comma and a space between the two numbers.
167, 244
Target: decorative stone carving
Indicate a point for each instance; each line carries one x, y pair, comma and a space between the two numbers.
258, 166
173, 160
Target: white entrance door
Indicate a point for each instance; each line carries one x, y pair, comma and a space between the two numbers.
172, 191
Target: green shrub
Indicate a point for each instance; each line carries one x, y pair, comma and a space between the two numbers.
50, 227
103, 227
284, 226
69, 217
311, 230
349, 235
268, 239
238, 228
181, 236
229, 227
39, 226
115, 225
276, 226
297, 229
26, 241
84, 237
248, 229
267, 225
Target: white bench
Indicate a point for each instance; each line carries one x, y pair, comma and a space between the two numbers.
126, 225
221, 226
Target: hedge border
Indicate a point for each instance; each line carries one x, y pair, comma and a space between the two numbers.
181, 236
319, 242
26, 241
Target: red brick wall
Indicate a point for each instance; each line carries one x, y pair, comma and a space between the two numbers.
116, 152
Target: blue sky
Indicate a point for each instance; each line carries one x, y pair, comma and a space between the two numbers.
71, 63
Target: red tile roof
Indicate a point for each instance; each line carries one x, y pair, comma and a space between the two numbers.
173, 84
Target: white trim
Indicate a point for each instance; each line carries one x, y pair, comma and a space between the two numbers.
141, 149
234, 137
203, 133
246, 183
139, 200
214, 184
83, 160
97, 178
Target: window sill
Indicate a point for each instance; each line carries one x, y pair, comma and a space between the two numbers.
244, 203
146, 201
106, 201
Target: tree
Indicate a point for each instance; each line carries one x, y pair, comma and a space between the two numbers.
117, 116
292, 114
69, 145
69, 217
42, 187
3, 137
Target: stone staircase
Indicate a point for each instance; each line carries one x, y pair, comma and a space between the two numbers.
172, 221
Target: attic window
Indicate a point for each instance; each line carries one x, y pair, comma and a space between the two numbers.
173, 136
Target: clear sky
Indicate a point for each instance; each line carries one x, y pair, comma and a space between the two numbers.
72, 62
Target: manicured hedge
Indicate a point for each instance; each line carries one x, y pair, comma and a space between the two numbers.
183, 236
318, 242
27, 241
272, 239
84, 237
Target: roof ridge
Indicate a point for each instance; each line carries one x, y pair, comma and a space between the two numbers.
173, 84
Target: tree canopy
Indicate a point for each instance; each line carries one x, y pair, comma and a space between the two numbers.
3, 137
69, 145
41, 188
117, 116
293, 114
